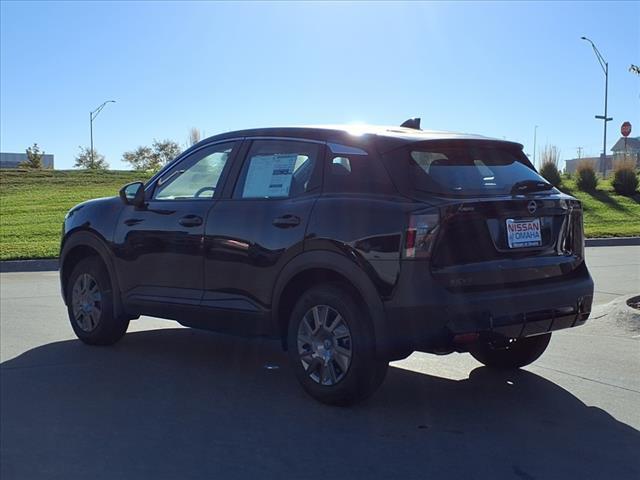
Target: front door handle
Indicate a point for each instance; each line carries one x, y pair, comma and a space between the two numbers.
190, 221
286, 221
130, 222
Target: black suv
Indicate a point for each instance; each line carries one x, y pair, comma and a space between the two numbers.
353, 245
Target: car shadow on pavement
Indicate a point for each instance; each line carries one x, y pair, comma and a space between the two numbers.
179, 403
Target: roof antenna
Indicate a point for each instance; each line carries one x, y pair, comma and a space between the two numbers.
412, 123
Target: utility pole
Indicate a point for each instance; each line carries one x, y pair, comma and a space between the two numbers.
604, 118
579, 152
92, 117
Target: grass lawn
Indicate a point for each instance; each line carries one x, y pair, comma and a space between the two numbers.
33, 205
607, 214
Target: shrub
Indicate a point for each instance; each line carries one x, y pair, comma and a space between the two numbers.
586, 178
550, 172
625, 179
550, 153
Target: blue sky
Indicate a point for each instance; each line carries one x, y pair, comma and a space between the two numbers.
495, 69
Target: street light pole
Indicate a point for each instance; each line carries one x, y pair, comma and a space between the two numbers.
92, 117
604, 118
535, 132
91, 133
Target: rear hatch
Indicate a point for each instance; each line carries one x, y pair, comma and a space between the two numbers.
492, 219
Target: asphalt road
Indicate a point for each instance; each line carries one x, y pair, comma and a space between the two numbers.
169, 402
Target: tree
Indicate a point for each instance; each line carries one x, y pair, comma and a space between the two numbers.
165, 151
85, 159
34, 157
194, 136
152, 158
140, 159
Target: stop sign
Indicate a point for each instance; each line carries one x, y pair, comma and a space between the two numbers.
625, 129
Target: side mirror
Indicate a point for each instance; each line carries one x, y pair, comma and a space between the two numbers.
133, 194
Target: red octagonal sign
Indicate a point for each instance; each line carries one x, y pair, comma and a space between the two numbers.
625, 129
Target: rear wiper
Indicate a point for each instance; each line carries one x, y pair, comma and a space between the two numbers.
525, 186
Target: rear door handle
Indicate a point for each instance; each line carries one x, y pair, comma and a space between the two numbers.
190, 221
286, 221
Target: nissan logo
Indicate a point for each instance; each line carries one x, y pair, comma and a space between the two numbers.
532, 207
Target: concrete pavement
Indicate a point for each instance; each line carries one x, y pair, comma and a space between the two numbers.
169, 402
615, 271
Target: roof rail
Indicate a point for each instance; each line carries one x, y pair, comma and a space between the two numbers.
412, 123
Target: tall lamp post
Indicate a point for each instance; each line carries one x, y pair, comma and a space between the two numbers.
92, 117
535, 132
604, 118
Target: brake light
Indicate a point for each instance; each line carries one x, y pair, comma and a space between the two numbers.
420, 235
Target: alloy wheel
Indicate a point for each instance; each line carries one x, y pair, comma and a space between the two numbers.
86, 302
324, 345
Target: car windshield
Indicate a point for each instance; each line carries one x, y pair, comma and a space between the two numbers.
462, 169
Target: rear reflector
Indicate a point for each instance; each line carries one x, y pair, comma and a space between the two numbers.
466, 338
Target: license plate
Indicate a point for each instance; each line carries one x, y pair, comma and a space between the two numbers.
523, 233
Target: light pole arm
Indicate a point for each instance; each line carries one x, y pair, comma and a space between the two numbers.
95, 113
601, 60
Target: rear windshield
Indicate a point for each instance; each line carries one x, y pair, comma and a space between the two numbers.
463, 169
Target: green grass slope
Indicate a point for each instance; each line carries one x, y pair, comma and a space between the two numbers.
33, 205
607, 214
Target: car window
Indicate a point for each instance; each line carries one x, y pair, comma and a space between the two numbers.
340, 166
197, 179
278, 169
471, 169
356, 174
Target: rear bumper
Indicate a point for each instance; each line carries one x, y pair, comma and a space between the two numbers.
426, 316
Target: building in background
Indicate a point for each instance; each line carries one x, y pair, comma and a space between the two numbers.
630, 150
571, 165
13, 160
620, 152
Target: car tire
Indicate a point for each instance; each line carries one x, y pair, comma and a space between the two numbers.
90, 304
336, 365
519, 353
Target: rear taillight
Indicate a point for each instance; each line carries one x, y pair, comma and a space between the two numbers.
420, 235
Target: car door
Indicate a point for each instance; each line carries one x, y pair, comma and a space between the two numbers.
159, 256
252, 234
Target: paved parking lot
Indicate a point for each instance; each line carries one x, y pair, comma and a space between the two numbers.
615, 270
169, 402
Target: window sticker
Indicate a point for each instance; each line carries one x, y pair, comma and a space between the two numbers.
269, 176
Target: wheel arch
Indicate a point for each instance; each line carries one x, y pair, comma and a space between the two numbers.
83, 244
312, 268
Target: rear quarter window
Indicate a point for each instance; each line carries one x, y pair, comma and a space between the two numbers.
356, 174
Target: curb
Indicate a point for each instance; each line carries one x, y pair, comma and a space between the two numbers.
612, 242
51, 265
48, 265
